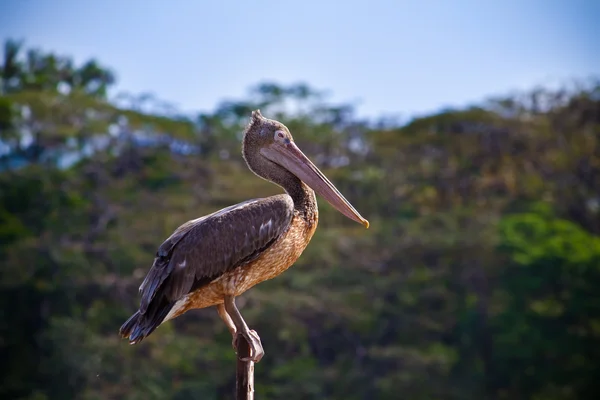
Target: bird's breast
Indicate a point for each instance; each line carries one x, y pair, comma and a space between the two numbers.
274, 260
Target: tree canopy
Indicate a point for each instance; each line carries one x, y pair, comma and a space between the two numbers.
478, 278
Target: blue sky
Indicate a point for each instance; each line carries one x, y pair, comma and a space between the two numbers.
390, 57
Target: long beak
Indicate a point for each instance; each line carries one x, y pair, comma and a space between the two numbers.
291, 158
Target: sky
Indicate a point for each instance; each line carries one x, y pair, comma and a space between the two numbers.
398, 57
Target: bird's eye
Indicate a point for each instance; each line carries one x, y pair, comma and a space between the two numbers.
279, 136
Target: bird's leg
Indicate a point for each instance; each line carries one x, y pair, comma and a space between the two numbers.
229, 322
227, 319
241, 329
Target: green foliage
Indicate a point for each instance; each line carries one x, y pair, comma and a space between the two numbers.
553, 312
477, 279
39, 71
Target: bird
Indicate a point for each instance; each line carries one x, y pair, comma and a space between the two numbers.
211, 260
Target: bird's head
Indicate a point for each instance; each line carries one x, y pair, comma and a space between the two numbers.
270, 152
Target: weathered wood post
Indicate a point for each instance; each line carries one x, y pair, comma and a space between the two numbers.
244, 375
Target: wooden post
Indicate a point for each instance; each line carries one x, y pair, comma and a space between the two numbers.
244, 374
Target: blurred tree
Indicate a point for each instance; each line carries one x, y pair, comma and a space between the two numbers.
476, 279
548, 325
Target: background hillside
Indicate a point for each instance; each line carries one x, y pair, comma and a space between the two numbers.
478, 279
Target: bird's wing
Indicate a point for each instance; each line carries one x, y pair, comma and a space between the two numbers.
207, 247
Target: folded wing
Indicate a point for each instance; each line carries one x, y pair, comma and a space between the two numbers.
201, 250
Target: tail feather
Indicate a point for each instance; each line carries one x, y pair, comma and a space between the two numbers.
129, 326
139, 326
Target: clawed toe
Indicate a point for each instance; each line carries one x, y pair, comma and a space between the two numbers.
256, 350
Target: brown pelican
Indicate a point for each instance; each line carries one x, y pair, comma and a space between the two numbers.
210, 260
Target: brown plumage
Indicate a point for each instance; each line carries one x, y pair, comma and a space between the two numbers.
211, 260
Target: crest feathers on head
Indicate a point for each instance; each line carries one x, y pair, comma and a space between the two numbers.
256, 115
256, 119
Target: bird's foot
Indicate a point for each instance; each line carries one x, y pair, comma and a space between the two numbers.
256, 350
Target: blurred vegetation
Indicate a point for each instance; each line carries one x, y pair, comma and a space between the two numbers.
478, 279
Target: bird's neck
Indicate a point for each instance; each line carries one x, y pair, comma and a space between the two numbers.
305, 201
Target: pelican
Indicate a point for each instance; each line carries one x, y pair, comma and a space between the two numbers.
210, 260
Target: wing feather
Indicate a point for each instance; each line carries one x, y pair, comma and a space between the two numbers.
205, 248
